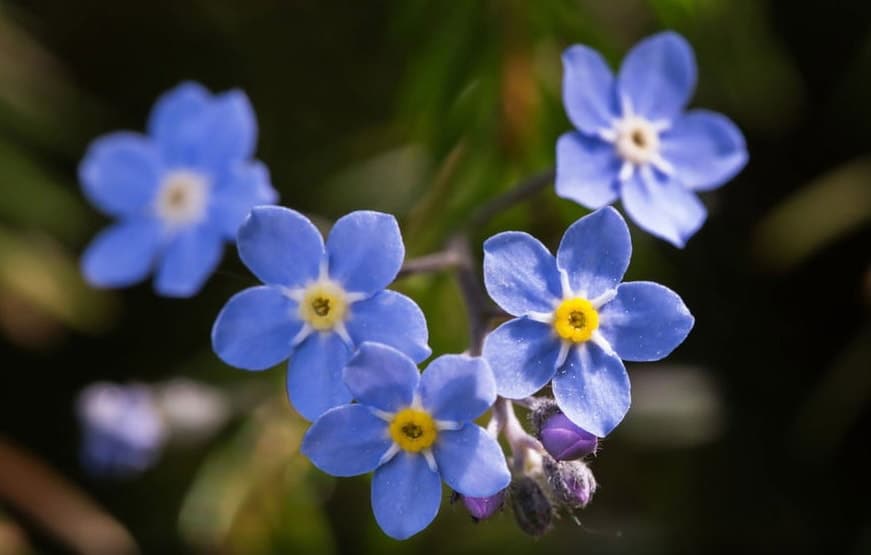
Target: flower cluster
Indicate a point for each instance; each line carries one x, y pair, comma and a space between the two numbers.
353, 346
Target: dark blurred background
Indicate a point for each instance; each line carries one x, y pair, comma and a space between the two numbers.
753, 437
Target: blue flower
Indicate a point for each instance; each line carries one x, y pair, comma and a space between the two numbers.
177, 194
414, 431
122, 429
633, 139
575, 320
319, 302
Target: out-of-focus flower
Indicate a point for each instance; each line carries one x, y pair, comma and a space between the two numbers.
319, 302
575, 320
634, 141
122, 430
413, 431
193, 411
177, 194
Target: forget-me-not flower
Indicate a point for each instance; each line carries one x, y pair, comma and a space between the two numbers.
414, 431
319, 302
123, 432
633, 139
575, 321
178, 194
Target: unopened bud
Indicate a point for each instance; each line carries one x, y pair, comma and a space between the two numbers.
573, 482
482, 508
564, 440
532, 510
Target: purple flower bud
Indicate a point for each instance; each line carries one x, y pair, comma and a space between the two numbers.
532, 511
572, 482
564, 440
482, 508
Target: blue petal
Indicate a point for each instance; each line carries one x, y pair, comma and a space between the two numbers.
393, 319
196, 129
658, 76
520, 273
229, 131
705, 148
588, 89
592, 389
174, 120
120, 173
595, 252
381, 377
522, 354
663, 207
122, 254
255, 329
458, 388
586, 170
189, 259
406, 495
471, 461
238, 191
645, 321
281, 246
314, 375
365, 250
346, 441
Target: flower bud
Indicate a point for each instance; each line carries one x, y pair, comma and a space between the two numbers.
532, 511
564, 440
482, 508
573, 482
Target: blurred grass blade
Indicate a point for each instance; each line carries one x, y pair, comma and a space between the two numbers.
67, 513
817, 215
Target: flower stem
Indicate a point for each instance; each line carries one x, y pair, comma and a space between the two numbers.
520, 442
521, 191
446, 259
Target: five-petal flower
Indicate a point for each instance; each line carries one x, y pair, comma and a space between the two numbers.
414, 431
575, 320
178, 194
319, 302
634, 141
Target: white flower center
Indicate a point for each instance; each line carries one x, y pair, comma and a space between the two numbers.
637, 140
182, 198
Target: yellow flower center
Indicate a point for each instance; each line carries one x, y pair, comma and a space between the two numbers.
324, 305
575, 320
413, 430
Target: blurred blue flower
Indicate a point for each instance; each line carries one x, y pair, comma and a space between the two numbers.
575, 320
177, 194
633, 139
319, 302
122, 429
414, 431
